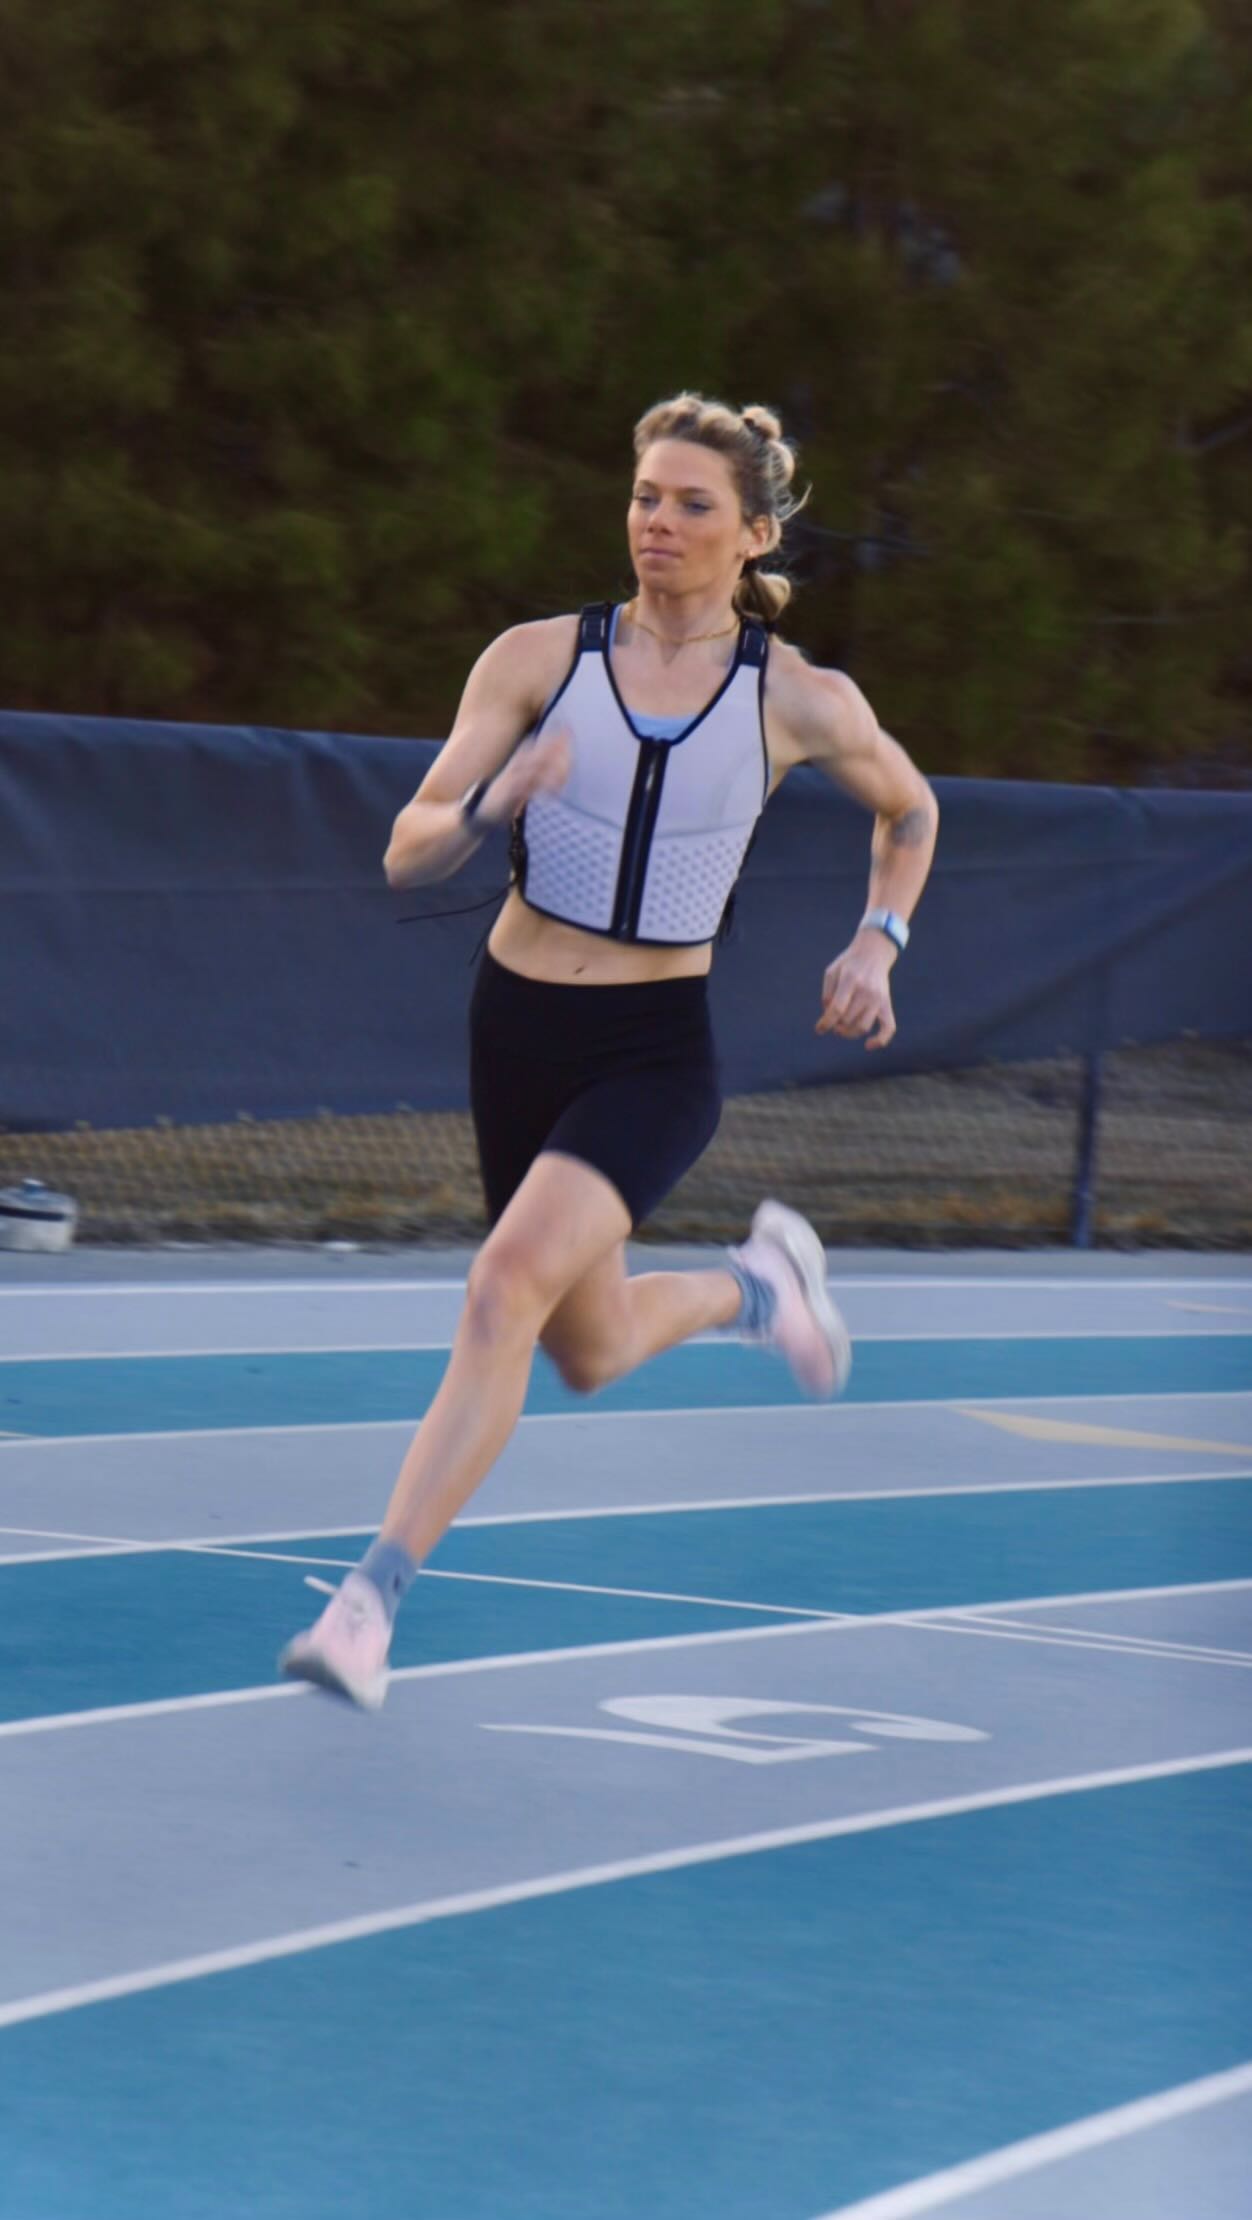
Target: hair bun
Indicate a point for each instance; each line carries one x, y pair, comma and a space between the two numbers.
779, 457
762, 421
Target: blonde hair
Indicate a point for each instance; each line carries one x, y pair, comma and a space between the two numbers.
762, 464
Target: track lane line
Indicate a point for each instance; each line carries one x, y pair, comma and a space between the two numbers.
97, 1542
300, 1940
831, 1412
929, 1620
407, 1347
1114, 1637
516, 1580
23, 1290
1160, 1652
1012, 2160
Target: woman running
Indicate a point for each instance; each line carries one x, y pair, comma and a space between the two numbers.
655, 734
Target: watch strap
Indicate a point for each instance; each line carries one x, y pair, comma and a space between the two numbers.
890, 923
471, 801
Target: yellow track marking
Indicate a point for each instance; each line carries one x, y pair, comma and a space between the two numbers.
1110, 1437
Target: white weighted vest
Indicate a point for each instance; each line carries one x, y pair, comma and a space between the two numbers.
647, 837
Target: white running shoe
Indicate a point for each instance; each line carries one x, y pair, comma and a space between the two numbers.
346, 1650
807, 1328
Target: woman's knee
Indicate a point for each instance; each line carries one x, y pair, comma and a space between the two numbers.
505, 1294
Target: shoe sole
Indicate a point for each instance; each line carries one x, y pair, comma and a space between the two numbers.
804, 1252
319, 1674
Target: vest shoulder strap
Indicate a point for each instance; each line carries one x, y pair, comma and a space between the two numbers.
754, 645
593, 627
593, 632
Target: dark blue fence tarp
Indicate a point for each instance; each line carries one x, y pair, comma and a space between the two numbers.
193, 923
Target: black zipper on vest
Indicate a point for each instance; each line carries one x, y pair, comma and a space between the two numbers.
641, 817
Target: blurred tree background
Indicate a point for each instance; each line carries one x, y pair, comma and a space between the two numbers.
326, 322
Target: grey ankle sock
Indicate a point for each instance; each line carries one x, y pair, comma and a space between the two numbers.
756, 1313
392, 1570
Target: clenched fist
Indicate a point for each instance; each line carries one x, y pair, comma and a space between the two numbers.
856, 991
537, 767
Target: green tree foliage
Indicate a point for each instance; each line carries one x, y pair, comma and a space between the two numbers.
326, 325
1077, 325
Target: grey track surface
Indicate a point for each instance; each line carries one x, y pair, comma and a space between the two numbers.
213, 1486
429, 1800
85, 1266
1197, 2166
329, 1817
293, 1315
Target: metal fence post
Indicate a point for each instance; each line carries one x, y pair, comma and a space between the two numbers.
1085, 1168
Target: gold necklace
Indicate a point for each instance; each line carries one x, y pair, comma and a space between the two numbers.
691, 638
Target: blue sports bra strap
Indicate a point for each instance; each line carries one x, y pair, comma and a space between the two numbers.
593, 627
753, 643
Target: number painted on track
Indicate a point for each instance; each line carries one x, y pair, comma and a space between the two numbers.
701, 1726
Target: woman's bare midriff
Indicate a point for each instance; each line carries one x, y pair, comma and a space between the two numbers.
564, 955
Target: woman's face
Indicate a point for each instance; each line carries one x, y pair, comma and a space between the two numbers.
685, 525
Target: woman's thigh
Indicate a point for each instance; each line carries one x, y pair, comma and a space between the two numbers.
562, 1224
642, 1129
624, 1079
515, 1103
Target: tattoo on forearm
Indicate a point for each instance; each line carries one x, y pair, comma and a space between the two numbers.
910, 830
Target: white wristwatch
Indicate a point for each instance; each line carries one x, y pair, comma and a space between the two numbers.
886, 921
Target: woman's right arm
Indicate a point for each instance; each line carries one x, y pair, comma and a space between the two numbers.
504, 694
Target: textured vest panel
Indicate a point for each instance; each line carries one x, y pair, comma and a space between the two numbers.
646, 839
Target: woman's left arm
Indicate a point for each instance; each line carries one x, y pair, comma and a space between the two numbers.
831, 724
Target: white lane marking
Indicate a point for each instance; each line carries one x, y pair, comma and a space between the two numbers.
1115, 1639
407, 1347
114, 1288
1014, 2159
295, 1943
846, 1495
100, 1541
445, 1670
107, 1548
158, 1707
103, 1545
585, 1415
290, 1349
97, 1542
646, 1595
75, 1556
1096, 1283
995, 1632
1100, 1595
233, 1433
929, 1620
514, 1580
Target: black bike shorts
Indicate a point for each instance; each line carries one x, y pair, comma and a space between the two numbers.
624, 1078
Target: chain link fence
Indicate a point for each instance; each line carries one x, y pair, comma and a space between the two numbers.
984, 1158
